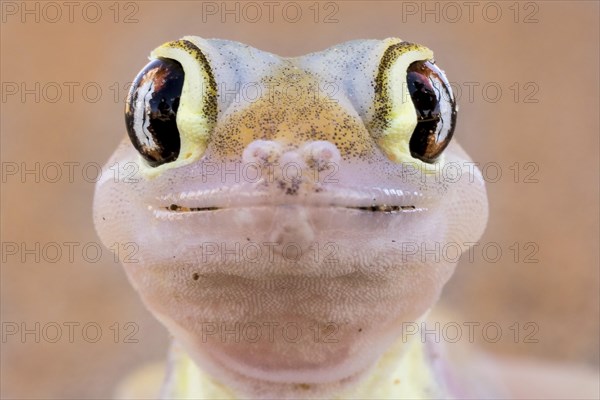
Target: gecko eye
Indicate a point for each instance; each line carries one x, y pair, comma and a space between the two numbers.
436, 110
151, 111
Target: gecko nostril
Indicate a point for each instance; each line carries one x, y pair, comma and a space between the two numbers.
262, 151
321, 154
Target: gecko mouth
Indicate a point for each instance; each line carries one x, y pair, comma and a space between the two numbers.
383, 208
361, 200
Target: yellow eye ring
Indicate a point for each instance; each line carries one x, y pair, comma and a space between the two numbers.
396, 118
194, 116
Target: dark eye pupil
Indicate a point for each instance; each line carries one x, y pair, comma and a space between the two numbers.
151, 111
436, 110
423, 96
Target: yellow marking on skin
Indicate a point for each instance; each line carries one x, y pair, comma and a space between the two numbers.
197, 111
405, 361
395, 116
293, 112
192, 383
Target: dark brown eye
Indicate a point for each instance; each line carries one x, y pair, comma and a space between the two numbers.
436, 110
151, 111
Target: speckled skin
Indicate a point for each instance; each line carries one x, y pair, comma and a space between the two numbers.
353, 218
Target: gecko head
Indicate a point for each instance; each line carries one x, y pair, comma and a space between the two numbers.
290, 215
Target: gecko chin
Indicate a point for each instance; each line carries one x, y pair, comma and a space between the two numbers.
282, 351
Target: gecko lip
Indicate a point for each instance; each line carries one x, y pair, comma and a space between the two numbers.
368, 200
383, 208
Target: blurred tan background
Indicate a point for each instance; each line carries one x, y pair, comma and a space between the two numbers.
542, 55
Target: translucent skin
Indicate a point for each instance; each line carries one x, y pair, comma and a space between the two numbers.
288, 250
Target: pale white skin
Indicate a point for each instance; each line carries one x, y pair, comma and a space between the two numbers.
359, 278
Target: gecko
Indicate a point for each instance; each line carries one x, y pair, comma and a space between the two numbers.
284, 212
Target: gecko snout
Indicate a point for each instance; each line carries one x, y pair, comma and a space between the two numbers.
292, 169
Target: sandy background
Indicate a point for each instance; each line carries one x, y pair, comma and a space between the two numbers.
544, 58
